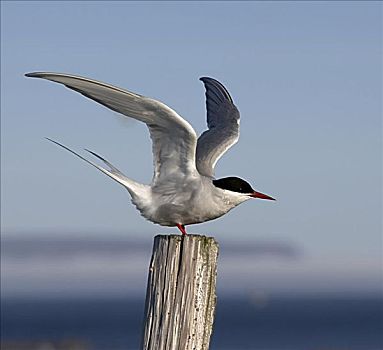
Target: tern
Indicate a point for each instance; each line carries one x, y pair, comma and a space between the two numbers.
184, 190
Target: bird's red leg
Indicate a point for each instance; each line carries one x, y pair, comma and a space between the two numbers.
182, 229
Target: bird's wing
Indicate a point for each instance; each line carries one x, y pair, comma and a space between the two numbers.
223, 127
174, 139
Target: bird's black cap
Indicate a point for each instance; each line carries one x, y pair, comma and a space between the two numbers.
234, 184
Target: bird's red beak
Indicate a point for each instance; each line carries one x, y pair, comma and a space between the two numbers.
260, 195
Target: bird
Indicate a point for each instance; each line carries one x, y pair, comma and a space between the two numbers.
184, 190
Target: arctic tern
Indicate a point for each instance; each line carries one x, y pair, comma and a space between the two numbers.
183, 190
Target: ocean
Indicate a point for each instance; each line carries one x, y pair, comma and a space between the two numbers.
331, 323
87, 293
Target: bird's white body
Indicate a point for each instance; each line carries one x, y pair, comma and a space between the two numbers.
198, 200
183, 190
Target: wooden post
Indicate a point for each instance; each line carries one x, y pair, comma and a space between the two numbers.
180, 297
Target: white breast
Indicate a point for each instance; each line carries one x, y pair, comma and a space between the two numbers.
195, 201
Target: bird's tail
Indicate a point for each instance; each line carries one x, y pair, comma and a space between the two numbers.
131, 185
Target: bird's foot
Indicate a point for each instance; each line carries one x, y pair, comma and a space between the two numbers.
182, 229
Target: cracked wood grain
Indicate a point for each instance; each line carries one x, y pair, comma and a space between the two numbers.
180, 298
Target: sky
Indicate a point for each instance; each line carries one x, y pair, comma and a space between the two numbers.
95, 266
306, 77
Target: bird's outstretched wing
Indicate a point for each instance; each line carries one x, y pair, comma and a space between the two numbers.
174, 139
223, 124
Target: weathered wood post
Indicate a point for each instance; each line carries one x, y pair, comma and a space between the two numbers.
180, 297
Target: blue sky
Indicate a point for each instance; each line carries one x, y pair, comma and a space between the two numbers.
306, 77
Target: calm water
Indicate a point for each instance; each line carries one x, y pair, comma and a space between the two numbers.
281, 324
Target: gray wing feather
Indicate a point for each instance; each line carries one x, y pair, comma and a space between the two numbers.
223, 124
174, 139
